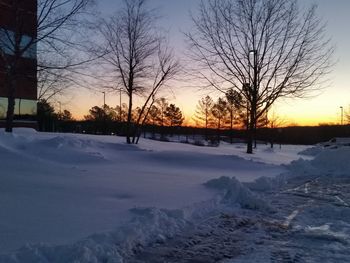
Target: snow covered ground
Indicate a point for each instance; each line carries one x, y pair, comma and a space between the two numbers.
85, 198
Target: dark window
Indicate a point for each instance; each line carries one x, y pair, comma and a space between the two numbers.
24, 109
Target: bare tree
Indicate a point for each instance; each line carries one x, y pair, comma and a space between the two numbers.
234, 102
165, 69
53, 17
273, 122
138, 56
162, 105
52, 83
203, 114
220, 111
264, 49
122, 112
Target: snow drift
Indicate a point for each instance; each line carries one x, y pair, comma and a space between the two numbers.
149, 224
328, 161
60, 189
235, 193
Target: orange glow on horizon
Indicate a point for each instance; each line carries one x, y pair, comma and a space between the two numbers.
295, 121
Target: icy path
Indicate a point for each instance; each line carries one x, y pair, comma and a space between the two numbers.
310, 223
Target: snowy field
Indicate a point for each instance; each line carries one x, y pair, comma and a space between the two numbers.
85, 198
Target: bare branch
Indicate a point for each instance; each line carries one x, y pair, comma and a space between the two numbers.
264, 49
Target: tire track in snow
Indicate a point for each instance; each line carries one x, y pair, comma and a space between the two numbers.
269, 237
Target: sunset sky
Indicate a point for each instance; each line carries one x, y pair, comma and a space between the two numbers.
323, 108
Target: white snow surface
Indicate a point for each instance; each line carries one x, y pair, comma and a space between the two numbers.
327, 161
85, 198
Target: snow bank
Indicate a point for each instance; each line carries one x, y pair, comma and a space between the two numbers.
265, 184
236, 193
333, 160
327, 162
149, 224
63, 149
70, 186
312, 151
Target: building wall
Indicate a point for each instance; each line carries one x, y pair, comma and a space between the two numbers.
27, 10
19, 17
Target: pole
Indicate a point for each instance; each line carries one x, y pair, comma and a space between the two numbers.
60, 112
341, 115
120, 105
19, 107
104, 113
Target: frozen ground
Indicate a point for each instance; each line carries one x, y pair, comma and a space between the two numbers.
82, 198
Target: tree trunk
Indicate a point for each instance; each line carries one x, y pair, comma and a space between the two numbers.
141, 126
250, 139
218, 131
11, 103
206, 126
254, 135
231, 125
251, 129
136, 132
128, 123
10, 114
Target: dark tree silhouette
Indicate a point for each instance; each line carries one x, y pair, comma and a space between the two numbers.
122, 112
264, 49
101, 114
65, 115
203, 115
162, 105
219, 112
139, 56
154, 116
234, 102
46, 115
174, 116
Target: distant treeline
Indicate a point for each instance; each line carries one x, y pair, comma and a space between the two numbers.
287, 135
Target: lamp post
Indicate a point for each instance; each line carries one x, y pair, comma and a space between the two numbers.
104, 113
341, 115
104, 99
60, 111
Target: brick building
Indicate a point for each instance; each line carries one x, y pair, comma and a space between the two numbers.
18, 21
